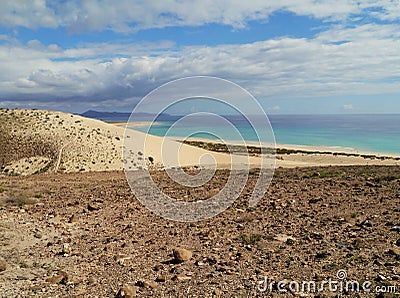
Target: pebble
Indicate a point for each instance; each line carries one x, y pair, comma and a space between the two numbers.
161, 278
73, 218
55, 279
381, 277
176, 270
66, 248
217, 292
93, 207
395, 229
3, 265
147, 284
394, 252
366, 223
127, 291
283, 238
37, 235
182, 255
199, 263
181, 278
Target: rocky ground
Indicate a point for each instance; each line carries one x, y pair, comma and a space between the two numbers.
86, 235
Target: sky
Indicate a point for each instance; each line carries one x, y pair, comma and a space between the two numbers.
293, 56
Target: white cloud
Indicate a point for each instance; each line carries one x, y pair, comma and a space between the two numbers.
368, 62
343, 60
127, 15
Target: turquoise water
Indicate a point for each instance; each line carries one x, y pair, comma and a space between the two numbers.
375, 133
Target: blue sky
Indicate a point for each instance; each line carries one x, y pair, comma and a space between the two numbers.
294, 56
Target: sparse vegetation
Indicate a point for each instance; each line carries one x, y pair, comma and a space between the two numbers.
16, 200
250, 239
254, 150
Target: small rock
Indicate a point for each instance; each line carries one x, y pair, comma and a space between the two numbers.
213, 259
322, 255
199, 263
176, 270
63, 273
394, 252
181, 278
55, 219
161, 278
66, 248
37, 235
3, 265
158, 267
370, 184
55, 279
340, 244
182, 255
217, 292
398, 242
381, 277
127, 291
146, 284
395, 229
73, 218
92, 207
366, 223
283, 238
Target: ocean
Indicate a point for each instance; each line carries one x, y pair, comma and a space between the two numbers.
369, 133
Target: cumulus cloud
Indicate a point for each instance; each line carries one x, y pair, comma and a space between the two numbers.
364, 61
127, 15
343, 60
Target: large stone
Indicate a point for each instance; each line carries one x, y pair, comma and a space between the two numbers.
182, 255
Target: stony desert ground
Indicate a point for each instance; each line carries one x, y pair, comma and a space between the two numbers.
85, 235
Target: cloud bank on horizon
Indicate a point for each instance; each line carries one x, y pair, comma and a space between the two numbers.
322, 55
